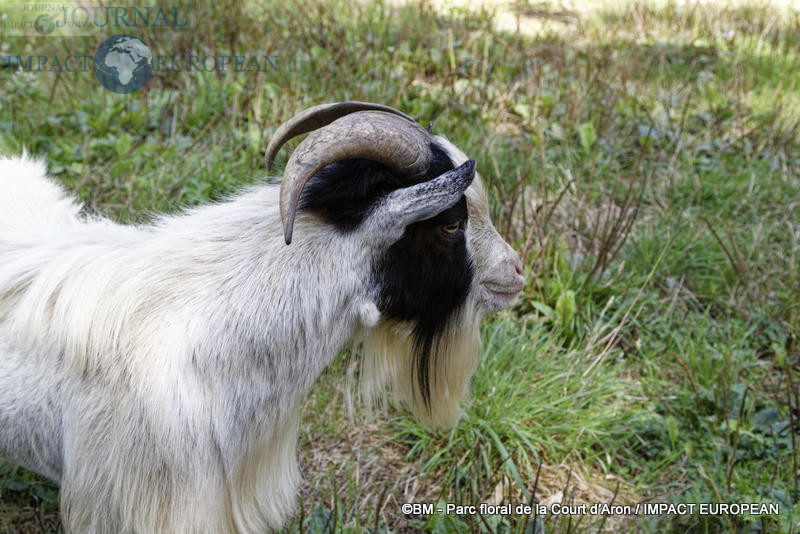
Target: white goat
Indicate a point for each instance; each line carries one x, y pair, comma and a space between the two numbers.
157, 371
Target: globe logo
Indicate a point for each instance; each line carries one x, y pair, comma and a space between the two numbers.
44, 24
123, 64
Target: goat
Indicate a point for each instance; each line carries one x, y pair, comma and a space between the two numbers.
156, 371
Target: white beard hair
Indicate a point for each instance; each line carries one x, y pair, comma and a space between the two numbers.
388, 366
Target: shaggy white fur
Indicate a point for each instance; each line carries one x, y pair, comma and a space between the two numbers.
156, 371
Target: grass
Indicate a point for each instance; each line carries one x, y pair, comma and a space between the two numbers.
644, 159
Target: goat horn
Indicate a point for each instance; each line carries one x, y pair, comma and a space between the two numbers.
317, 117
387, 138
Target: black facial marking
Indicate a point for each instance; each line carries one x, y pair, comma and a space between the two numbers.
343, 192
424, 278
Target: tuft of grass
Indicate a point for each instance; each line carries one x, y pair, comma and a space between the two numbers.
514, 424
28, 503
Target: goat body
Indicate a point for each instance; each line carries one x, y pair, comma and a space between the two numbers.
152, 353
157, 371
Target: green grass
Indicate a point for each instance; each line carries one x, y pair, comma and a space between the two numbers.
644, 158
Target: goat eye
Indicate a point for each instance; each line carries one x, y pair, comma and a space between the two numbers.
451, 228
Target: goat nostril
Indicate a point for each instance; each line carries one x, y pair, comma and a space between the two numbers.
517, 264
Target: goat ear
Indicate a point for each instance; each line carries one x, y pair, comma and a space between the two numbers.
402, 207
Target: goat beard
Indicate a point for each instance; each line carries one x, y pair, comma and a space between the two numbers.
393, 353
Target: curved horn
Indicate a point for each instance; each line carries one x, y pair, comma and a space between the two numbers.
317, 117
387, 138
